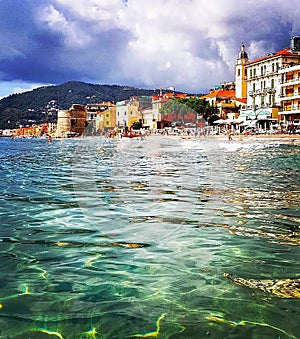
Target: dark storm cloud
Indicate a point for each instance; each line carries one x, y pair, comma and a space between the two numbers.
189, 44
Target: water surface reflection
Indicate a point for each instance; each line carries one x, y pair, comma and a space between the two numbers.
110, 239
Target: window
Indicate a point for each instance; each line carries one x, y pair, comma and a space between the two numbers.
239, 72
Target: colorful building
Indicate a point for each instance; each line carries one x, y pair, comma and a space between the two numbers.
109, 117
290, 93
241, 74
100, 116
264, 80
127, 112
134, 114
224, 102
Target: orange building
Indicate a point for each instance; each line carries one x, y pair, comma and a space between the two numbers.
225, 102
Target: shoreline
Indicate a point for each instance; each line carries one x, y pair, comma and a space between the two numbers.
235, 138
284, 138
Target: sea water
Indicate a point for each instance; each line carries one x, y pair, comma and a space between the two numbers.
104, 238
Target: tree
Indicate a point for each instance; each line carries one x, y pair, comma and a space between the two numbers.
175, 107
185, 105
201, 106
137, 125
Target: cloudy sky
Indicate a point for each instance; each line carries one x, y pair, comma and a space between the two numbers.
189, 44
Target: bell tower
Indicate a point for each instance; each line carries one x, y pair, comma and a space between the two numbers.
241, 74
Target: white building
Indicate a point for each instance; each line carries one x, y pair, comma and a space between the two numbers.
264, 82
122, 114
148, 118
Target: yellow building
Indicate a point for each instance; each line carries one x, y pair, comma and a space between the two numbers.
241, 74
224, 102
290, 93
128, 112
134, 114
100, 116
109, 117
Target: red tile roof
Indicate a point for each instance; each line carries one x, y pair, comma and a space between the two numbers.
284, 52
220, 93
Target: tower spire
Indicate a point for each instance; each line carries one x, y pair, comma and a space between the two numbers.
243, 54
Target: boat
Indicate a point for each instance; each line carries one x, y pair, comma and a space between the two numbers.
132, 135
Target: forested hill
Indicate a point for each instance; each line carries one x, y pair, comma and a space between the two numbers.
40, 104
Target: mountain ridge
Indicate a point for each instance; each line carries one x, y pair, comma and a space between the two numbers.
40, 104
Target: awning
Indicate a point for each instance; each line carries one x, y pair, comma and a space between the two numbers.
220, 121
247, 114
264, 113
238, 121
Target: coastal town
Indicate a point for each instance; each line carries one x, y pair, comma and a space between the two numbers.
150, 156
264, 98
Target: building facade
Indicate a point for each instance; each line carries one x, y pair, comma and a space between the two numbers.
224, 102
71, 122
127, 113
109, 117
290, 94
264, 83
122, 114
241, 74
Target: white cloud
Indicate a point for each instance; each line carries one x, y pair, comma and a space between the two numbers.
73, 35
189, 44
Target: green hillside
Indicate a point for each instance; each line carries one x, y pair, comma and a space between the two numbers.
40, 104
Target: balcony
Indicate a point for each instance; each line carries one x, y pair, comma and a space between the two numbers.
286, 111
227, 105
289, 96
286, 82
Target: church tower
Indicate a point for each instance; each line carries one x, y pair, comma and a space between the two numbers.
241, 74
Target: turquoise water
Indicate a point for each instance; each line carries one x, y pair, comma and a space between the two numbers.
106, 238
